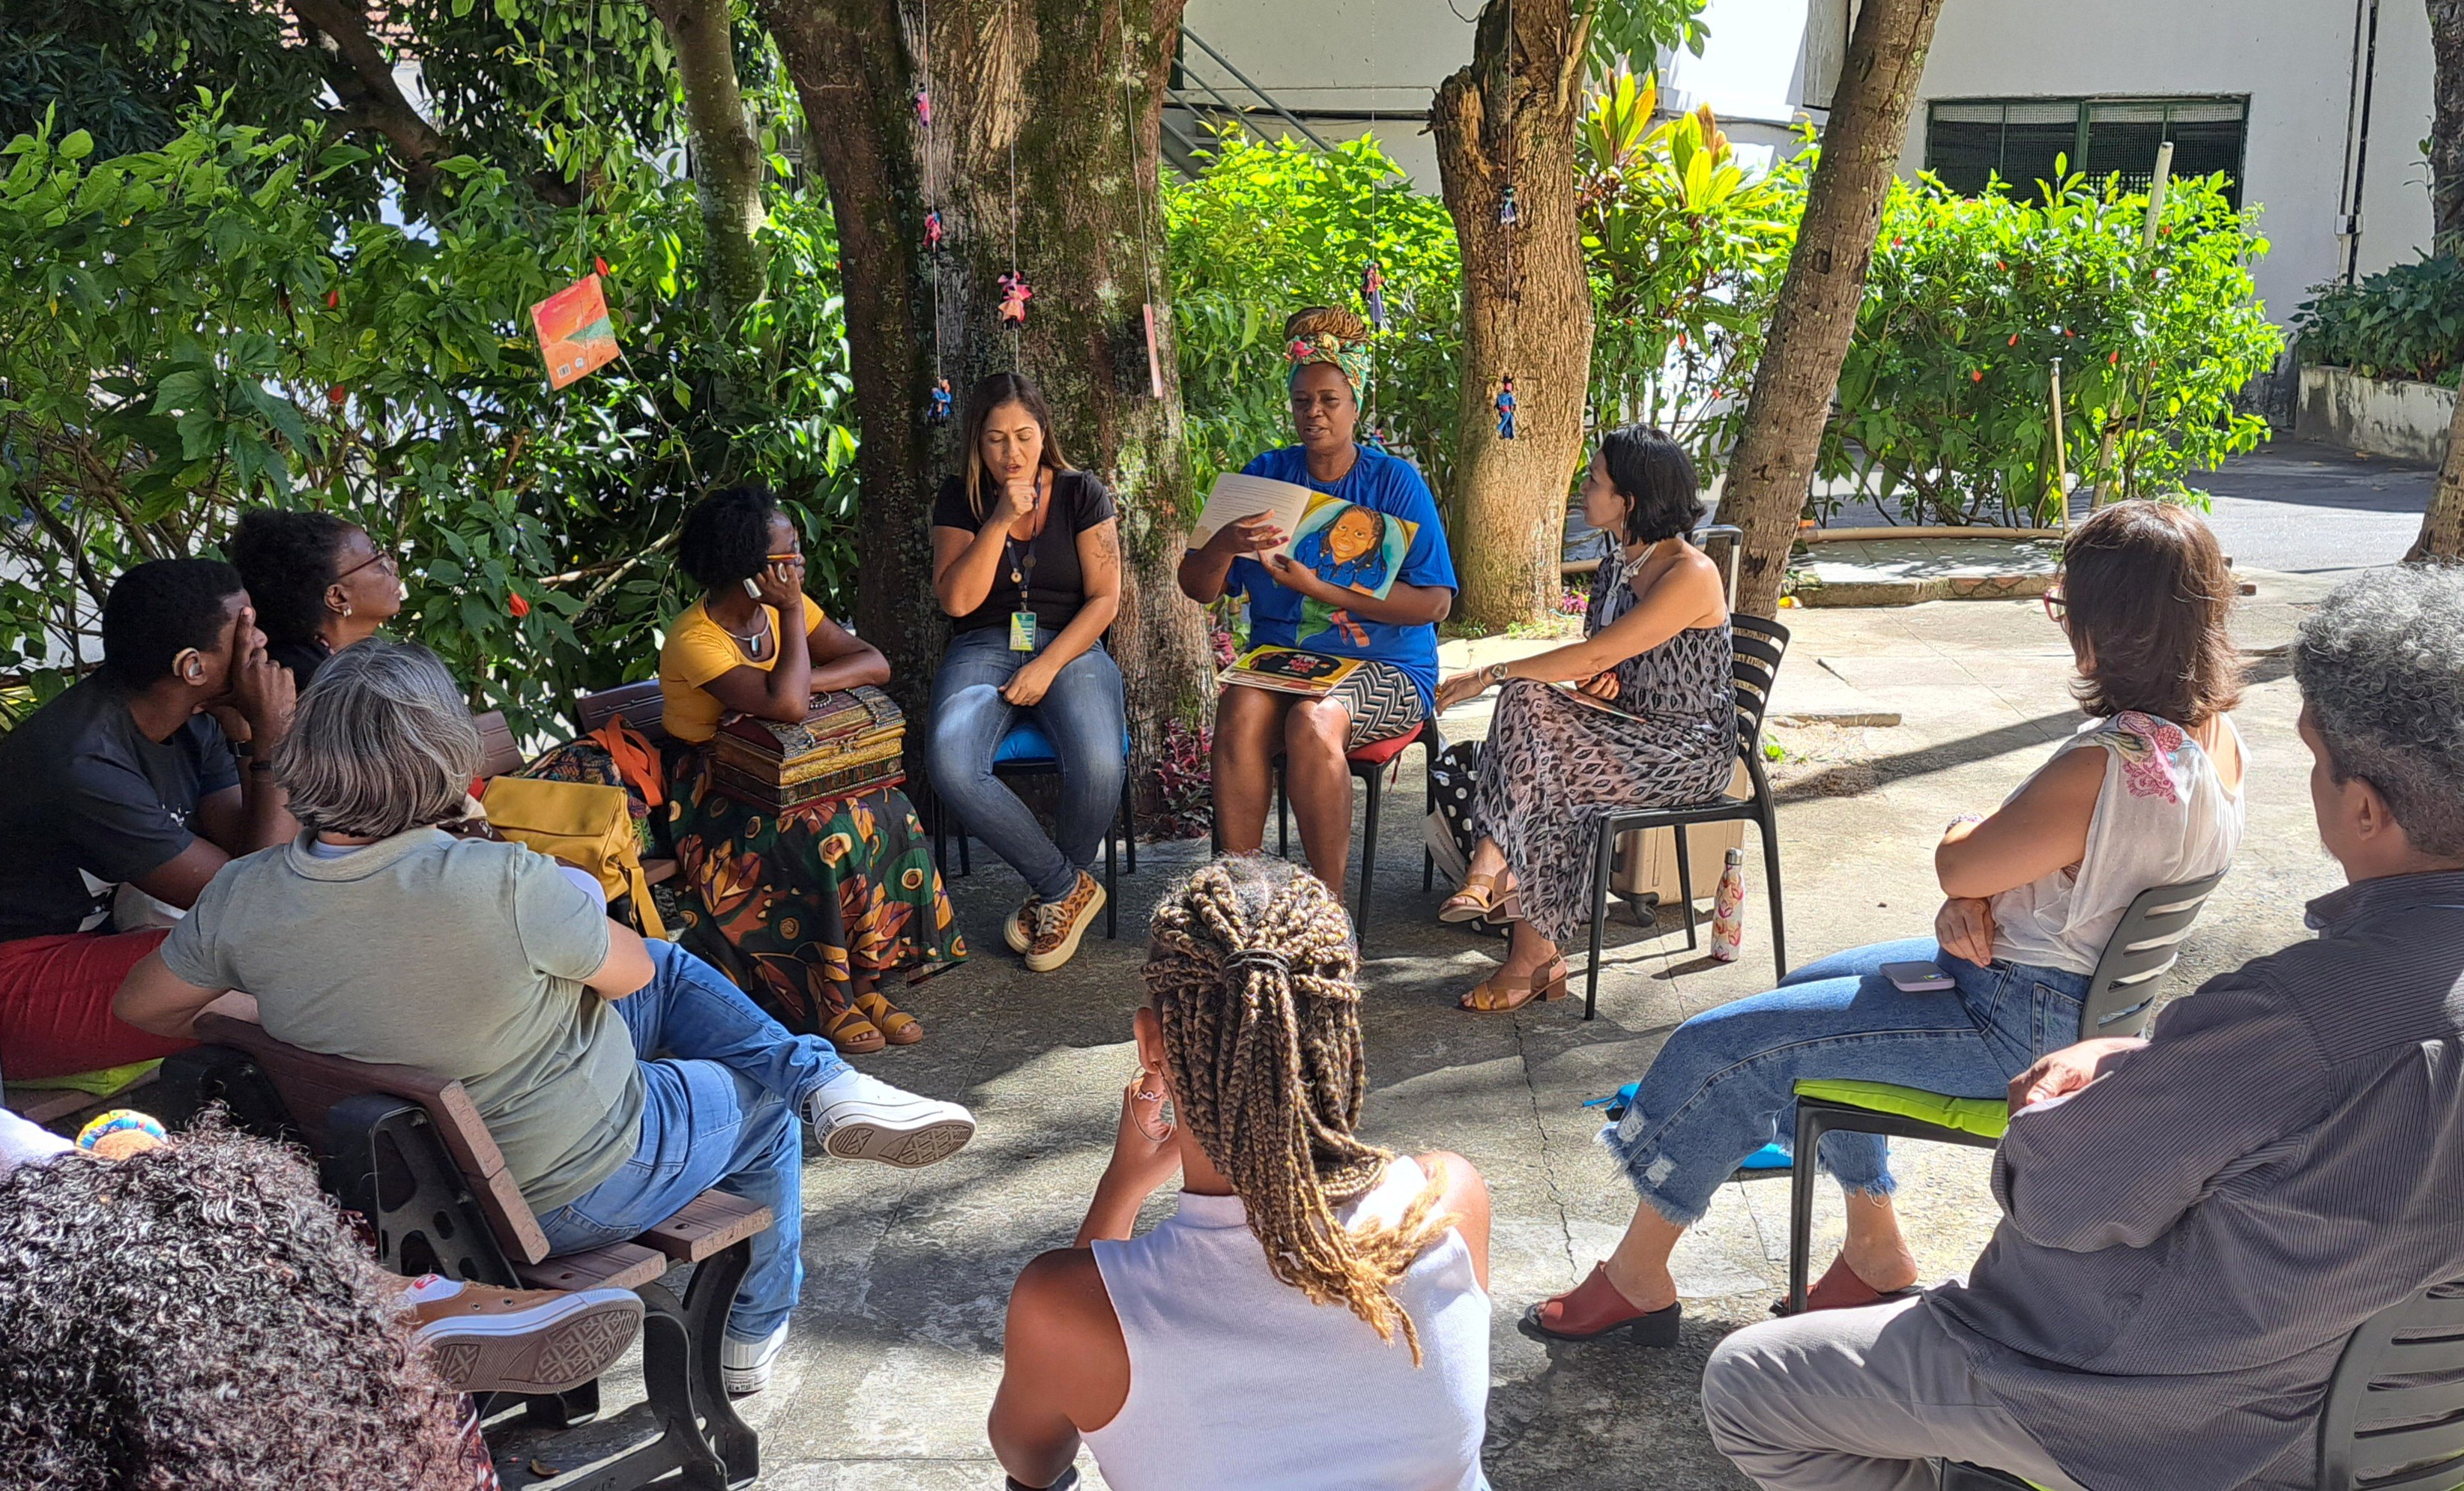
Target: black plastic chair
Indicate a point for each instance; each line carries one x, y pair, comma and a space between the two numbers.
1369, 764
2390, 1422
1759, 645
1027, 752
2121, 994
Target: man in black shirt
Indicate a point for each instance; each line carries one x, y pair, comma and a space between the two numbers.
130, 781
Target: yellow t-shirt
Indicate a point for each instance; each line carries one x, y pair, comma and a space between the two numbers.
698, 651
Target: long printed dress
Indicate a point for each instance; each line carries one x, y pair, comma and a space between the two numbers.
790, 905
1555, 765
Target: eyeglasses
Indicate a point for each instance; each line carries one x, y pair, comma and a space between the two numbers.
392, 566
2056, 606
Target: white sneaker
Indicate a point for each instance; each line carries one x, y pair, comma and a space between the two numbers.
856, 1117
744, 1365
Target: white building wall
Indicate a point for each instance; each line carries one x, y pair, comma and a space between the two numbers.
2292, 57
1354, 56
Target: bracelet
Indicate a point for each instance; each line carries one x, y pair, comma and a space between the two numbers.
1496, 671
260, 766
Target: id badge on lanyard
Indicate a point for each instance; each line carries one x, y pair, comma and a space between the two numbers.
1022, 631
1021, 572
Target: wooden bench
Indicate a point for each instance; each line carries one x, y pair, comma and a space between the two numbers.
407, 1150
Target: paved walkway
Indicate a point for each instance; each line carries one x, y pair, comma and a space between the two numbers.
895, 1352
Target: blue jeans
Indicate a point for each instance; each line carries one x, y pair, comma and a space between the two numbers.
1725, 1083
725, 1088
1082, 715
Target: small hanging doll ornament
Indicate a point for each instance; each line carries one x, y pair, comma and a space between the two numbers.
937, 412
924, 107
1505, 409
1508, 213
1372, 291
1015, 294
933, 231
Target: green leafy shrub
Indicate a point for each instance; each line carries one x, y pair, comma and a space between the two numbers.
1269, 228
1687, 251
195, 331
1944, 398
2406, 321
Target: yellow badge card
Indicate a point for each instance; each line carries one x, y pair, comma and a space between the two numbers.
1022, 631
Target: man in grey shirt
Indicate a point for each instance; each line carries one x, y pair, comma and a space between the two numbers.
2193, 1224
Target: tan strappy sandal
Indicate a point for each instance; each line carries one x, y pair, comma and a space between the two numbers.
853, 1033
1497, 994
1468, 905
896, 1026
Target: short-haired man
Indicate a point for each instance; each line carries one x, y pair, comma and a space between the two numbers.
128, 780
2193, 1224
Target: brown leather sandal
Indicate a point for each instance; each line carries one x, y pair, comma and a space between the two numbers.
1497, 994
1467, 905
853, 1033
896, 1026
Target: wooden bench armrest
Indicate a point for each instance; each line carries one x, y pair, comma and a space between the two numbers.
712, 1223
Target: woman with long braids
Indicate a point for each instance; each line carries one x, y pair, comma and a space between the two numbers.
1316, 1312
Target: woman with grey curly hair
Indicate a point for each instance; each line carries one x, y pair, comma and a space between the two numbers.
200, 1316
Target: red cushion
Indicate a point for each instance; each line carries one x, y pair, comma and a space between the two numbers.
1378, 753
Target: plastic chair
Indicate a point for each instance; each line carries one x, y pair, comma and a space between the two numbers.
1758, 646
1025, 751
2119, 995
2392, 1398
1369, 765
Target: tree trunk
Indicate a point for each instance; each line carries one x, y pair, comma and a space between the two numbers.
1510, 118
1036, 86
1816, 311
2447, 127
2442, 527
726, 160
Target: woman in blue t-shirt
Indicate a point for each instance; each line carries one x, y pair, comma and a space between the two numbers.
1293, 604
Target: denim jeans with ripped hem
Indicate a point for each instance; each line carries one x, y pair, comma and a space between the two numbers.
1725, 1083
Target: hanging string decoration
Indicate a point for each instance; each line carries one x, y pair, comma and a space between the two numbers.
936, 405
1138, 192
1373, 293
1016, 292
1509, 215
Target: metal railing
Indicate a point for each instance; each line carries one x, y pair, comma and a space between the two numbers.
1201, 101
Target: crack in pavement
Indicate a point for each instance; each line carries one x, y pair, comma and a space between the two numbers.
1548, 1169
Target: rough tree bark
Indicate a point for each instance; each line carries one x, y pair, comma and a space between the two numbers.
2442, 527
1037, 82
2447, 126
1526, 302
1817, 309
726, 159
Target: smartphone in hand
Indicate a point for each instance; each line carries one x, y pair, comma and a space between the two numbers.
1916, 978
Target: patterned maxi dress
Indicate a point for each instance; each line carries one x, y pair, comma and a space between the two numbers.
1555, 764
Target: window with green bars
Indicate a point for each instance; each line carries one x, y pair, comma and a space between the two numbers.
1967, 140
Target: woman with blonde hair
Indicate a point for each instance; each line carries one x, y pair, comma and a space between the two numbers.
1315, 1313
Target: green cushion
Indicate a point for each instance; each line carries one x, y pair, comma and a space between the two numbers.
1986, 1118
101, 1085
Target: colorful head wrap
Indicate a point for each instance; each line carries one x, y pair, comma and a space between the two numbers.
1325, 334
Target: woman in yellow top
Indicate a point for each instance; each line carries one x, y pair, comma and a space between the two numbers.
810, 910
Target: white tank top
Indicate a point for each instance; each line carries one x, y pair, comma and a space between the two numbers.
1239, 1383
2162, 816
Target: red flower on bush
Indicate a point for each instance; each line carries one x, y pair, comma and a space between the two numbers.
514, 604
1976, 375
2014, 339
333, 299
336, 395
599, 264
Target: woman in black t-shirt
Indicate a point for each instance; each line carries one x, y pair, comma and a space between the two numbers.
1026, 558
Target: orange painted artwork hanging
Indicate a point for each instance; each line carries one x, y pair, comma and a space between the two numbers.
574, 332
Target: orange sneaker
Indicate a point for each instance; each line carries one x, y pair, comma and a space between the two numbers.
1060, 924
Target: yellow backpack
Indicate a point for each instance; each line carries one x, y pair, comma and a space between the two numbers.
582, 823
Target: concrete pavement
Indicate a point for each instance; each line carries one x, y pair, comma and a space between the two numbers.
895, 1352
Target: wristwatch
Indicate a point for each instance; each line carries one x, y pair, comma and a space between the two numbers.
1495, 672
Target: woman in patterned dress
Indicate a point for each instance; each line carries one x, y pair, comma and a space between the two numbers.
1654, 722
811, 910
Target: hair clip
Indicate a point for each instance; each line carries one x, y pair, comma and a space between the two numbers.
1262, 957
